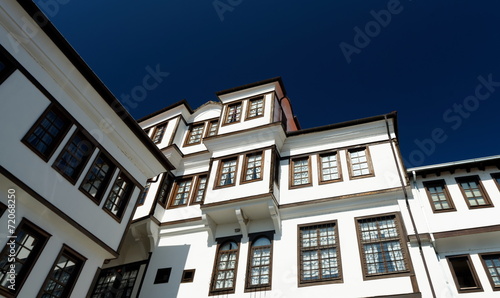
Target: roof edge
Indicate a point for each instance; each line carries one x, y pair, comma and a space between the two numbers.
266, 81
174, 105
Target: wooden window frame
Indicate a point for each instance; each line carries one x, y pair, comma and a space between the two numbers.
441, 183
190, 131
144, 193
250, 100
221, 242
175, 188
74, 256
300, 249
60, 137
245, 167
368, 161
320, 167
162, 134
163, 275
226, 113
122, 201
490, 278
209, 127
42, 239
402, 236
83, 162
496, 176
197, 188
118, 272
164, 189
478, 287
104, 183
481, 188
185, 279
292, 161
219, 172
9, 62
252, 238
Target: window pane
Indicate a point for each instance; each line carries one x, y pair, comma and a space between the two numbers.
256, 107
195, 134
492, 263
96, 180
233, 113
74, 156
300, 171
253, 166
472, 191
119, 195
359, 163
463, 272
228, 172
224, 273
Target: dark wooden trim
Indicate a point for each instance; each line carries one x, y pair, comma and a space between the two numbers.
481, 188
220, 242
190, 130
239, 200
196, 189
172, 106
183, 277
465, 232
252, 237
219, 171
479, 287
245, 166
408, 295
225, 112
57, 211
182, 221
209, 123
320, 167
449, 199
153, 136
247, 86
106, 181
368, 160
126, 199
175, 188
76, 257
291, 173
496, 179
481, 256
168, 178
253, 98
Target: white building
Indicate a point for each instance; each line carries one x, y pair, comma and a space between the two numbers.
72, 163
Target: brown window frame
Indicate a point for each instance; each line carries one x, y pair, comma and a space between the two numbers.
249, 107
196, 189
216, 268
122, 199
401, 238
441, 183
144, 193
496, 255
83, 161
210, 124
190, 133
292, 162
318, 248
105, 180
162, 133
68, 123
226, 113
164, 189
460, 289
185, 279
219, 172
252, 239
496, 176
245, 167
175, 190
320, 167
482, 190
368, 161
73, 256
120, 273
42, 239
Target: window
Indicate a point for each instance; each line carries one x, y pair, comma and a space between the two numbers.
463, 273
496, 178
227, 172
381, 247
144, 194
47, 133
116, 281
212, 128
188, 275
226, 262
162, 275
181, 192
164, 189
62, 278
199, 193
253, 167
491, 264
158, 133
97, 178
300, 169
259, 263
28, 245
438, 196
6, 66
319, 253
194, 135
473, 192
255, 108
359, 162
74, 156
119, 196
233, 113
329, 168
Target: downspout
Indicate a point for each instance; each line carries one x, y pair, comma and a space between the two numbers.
419, 241
414, 176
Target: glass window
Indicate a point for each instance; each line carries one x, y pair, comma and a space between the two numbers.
319, 253
381, 246
98, 176
359, 162
473, 191
464, 274
300, 172
329, 167
164, 189
224, 276
63, 276
199, 193
438, 194
256, 107
182, 190
74, 156
233, 113
212, 128
253, 166
119, 195
144, 194
195, 134
259, 264
227, 172
158, 133
491, 263
116, 282
28, 245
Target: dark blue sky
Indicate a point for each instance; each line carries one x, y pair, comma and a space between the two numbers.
435, 62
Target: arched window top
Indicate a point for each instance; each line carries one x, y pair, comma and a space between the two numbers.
230, 245
261, 241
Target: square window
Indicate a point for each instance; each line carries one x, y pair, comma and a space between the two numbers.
463, 273
195, 134
438, 195
473, 192
163, 275
188, 275
255, 108
74, 156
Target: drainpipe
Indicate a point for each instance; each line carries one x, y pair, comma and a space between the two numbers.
419, 241
414, 176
